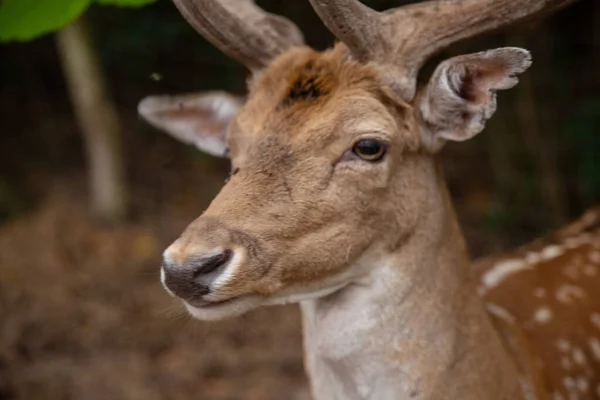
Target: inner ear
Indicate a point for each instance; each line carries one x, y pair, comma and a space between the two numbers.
461, 94
473, 81
200, 119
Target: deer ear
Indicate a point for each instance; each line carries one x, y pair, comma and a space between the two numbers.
200, 119
461, 94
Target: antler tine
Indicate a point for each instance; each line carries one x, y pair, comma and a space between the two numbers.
405, 37
241, 29
352, 23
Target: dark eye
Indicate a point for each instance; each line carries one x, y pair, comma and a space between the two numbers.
369, 149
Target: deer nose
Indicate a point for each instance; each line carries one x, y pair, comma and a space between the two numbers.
191, 279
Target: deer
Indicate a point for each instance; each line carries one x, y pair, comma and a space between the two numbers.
336, 200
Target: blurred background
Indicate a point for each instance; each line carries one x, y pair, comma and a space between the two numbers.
90, 196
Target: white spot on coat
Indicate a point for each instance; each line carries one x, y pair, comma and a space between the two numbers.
582, 385
595, 319
500, 312
550, 252
568, 293
532, 258
573, 242
542, 315
503, 270
569, 382
506, 268
590, 270
563, 345
539, 292
595, 347
579, 356
594, 256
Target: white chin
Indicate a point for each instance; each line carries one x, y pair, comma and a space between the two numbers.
228, 309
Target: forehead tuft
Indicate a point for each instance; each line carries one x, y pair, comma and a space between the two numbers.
310, 84
302, 77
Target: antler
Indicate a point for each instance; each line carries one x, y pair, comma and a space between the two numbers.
405, 37
241, 29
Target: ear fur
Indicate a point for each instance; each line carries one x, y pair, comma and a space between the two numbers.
461, 94
200, 119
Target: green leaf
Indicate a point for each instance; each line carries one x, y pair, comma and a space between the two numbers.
27, 19
125, 3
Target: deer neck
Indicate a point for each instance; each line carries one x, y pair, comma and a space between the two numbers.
413, 327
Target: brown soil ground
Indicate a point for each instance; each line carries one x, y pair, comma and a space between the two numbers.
83, 316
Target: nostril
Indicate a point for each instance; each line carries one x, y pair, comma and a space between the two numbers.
180, 282
212, 263
191, 280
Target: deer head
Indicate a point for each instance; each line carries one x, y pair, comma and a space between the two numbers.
332, 153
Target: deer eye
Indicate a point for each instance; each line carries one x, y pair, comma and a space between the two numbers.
369, 149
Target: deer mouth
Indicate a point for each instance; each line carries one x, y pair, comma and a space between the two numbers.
211, 303
221, 309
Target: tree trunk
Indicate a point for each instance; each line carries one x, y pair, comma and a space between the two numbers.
97, 119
